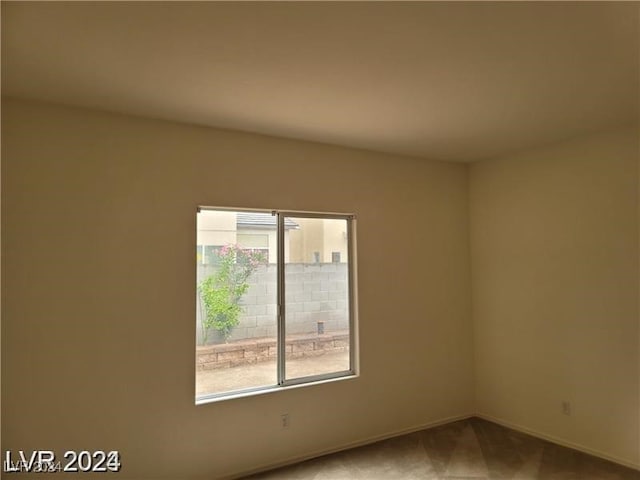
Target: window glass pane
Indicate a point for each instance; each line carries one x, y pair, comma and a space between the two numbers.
252, 240
316, 297
236, 305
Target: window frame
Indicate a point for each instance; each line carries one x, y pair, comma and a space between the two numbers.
281, 318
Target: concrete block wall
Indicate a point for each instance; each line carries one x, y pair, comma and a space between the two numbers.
314, 293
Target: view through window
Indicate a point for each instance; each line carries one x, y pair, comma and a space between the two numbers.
274, 299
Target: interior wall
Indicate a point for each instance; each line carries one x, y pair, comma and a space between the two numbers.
554, 238
98, 329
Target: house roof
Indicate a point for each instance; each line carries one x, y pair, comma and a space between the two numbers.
260, 220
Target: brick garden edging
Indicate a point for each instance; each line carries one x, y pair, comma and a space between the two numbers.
247, 352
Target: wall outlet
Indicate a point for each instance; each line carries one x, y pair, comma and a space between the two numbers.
284, 420
566, 407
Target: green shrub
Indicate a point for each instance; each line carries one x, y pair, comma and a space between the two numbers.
222, 291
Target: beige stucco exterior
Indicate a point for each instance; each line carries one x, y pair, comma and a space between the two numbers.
321, 235
314, 235
217, 228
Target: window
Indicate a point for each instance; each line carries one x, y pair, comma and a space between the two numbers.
207, 254
266, 317
255, 242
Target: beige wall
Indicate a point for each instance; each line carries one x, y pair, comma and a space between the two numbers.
554, 236
98, 324
215, 228
307, 239
324, 236
335, 239
98, 332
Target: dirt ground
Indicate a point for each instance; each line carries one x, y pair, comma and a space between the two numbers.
264, 373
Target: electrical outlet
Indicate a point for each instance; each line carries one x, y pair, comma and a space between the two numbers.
566, 407
284, 420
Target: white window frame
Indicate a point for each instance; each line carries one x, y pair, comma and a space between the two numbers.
282, 381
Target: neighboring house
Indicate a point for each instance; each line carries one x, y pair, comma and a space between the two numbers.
255, 231
307, 240
319, 241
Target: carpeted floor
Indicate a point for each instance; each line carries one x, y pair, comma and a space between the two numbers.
469, 449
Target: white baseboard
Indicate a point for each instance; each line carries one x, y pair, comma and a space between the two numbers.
404, 431
559, 441
346, 446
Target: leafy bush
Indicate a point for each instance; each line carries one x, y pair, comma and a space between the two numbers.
222, 291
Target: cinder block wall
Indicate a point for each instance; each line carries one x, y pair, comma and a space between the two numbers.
314, 292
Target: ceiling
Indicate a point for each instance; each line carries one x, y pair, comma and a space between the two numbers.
447, 81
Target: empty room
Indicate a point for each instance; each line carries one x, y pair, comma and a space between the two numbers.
320, 240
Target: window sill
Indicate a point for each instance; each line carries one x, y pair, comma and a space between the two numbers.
219, 397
